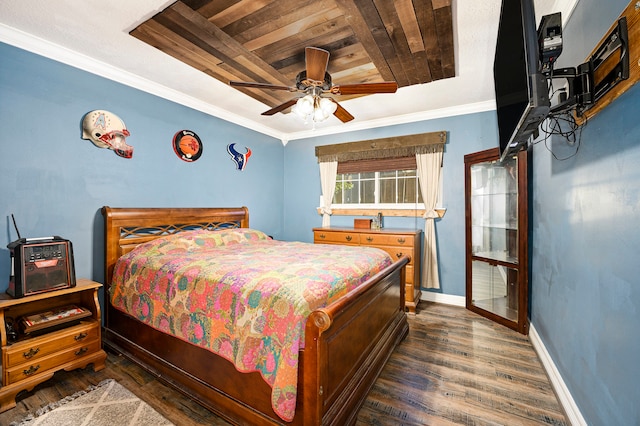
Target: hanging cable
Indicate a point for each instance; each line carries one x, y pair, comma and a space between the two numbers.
563, 125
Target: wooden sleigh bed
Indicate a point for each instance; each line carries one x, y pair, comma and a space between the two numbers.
346, 343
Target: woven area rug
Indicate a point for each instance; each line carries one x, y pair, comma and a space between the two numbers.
107, 403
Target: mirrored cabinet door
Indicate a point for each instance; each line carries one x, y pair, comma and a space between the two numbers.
496, 233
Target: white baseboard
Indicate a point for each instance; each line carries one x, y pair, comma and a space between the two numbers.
564, 396
446, 299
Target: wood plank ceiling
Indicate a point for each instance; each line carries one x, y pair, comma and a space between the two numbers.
407, 41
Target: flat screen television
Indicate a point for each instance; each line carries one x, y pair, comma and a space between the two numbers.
522, 93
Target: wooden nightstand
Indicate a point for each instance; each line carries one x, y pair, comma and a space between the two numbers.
30, 360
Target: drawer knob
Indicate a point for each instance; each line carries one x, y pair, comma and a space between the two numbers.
399, 255
81, 351
80, 336
31, 353
369, 239
348, 237
321, 236
32, 369
401, 240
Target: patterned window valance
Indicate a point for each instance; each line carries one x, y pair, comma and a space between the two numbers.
393, 147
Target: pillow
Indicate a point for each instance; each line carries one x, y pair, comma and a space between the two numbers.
204, 238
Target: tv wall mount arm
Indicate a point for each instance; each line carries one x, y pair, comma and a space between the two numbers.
591, 80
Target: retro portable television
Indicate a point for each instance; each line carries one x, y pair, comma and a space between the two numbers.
39, 265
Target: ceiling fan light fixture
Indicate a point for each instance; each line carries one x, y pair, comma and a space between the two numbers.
314, 108
313, 82
319, 115
327, 106
304, 107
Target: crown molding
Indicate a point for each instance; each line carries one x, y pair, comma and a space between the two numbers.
489, 105
72, 58
566, 8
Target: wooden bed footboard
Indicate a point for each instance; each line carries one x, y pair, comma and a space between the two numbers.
346, 343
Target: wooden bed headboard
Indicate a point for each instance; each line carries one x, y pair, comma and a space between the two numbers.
125, 228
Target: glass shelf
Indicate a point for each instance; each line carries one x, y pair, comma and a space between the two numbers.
500, 256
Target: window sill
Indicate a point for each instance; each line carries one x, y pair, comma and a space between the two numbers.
385, 212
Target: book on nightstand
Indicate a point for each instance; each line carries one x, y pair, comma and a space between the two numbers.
53, 317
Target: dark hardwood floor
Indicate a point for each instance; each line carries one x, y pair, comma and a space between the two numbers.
458, 368
454, 368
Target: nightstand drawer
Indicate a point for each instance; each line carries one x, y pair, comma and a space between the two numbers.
330, 237
31, 350
55, 360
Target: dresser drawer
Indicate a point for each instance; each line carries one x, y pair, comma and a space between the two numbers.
330, 237
387, 240
30, 350
55, 360
397, 252
410, 271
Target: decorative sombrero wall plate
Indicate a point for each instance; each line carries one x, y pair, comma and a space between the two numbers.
187, 145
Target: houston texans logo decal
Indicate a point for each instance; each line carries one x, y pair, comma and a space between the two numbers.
238, 158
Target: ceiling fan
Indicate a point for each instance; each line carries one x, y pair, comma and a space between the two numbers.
315, 81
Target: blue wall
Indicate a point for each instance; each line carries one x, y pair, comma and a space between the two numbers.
466, 134
55, 183
586, 240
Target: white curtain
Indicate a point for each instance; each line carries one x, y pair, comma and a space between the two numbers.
428, 166
328, 172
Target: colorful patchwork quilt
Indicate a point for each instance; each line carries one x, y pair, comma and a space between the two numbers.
241, 295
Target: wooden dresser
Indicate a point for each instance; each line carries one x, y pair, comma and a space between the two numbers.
396, 242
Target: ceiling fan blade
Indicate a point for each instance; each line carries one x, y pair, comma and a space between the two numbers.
365, 88
342, 113
281, 107
261, 86
316, 62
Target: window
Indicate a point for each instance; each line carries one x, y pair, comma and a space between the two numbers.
377, 174
383, 183
382, 189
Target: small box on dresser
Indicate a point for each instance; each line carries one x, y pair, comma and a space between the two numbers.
29, 359
396, 242
362, 223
